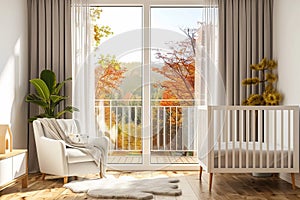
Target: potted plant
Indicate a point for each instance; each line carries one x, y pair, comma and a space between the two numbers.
48, 96
268, 95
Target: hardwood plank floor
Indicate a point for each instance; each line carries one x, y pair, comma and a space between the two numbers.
154, 159
225, 186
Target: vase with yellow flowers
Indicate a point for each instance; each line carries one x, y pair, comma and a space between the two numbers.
269, 94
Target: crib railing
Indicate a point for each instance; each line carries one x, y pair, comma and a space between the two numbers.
249, 138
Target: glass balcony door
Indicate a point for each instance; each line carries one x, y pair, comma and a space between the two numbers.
174, 33
118, 56
145, 84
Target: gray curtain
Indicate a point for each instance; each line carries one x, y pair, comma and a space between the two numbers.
49, 34
245, 38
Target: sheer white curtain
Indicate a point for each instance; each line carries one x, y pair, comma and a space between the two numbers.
83, 73
209, 77
210, 85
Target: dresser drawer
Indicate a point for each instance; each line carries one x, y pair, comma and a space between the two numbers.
6, 174
13, 168
19, 165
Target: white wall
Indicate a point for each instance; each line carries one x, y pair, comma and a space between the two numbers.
287, 52
14, 68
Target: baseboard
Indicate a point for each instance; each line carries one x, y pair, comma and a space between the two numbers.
287, 177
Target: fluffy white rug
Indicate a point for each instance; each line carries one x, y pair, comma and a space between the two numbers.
126, 188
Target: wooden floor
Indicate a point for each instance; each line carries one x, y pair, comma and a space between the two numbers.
174, 159
124, 159
154, 159
225, 186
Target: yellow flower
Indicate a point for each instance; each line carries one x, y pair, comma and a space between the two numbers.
272, 64
257, 67
272, 98
269, 96
271, 78
269, 87
255, 99
250, 81
263, 62
245, 102
253, 67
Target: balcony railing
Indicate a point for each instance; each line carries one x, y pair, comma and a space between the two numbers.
172, 125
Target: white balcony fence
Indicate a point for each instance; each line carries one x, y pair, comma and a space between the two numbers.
172, 126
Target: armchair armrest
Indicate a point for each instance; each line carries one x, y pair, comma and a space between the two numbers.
52, 156
102, 141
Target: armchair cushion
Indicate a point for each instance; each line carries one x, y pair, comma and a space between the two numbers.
77, 156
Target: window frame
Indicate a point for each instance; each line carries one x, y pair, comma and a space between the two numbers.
146, 72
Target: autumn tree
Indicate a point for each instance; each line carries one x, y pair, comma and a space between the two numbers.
99, 32
179, 84
178, 69
109, 75
109, 72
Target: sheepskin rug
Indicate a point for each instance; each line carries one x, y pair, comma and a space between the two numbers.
125, 187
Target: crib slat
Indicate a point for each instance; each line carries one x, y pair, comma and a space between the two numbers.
241, 128
282, 139
211, 138
233, 131
295, 138
219, 141
289, 138
267, 137
260, 119
275, 139
227, 122
247, 138
253, 137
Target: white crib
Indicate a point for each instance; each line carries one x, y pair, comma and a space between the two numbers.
248, 139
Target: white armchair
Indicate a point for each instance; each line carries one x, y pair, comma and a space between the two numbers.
56, 159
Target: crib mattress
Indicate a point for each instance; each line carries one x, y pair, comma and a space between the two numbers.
251, 156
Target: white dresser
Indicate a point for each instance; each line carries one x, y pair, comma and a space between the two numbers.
13, 168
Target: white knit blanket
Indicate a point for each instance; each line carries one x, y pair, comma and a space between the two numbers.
55, 131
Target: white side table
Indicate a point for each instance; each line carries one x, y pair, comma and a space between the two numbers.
13, 168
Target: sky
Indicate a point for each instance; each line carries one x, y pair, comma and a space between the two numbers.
175, 18
126, 23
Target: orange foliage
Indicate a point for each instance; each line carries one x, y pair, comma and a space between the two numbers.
167, 95
108, 77
179, 69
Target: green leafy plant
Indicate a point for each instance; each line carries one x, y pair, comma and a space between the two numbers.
48, 96
269, 95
